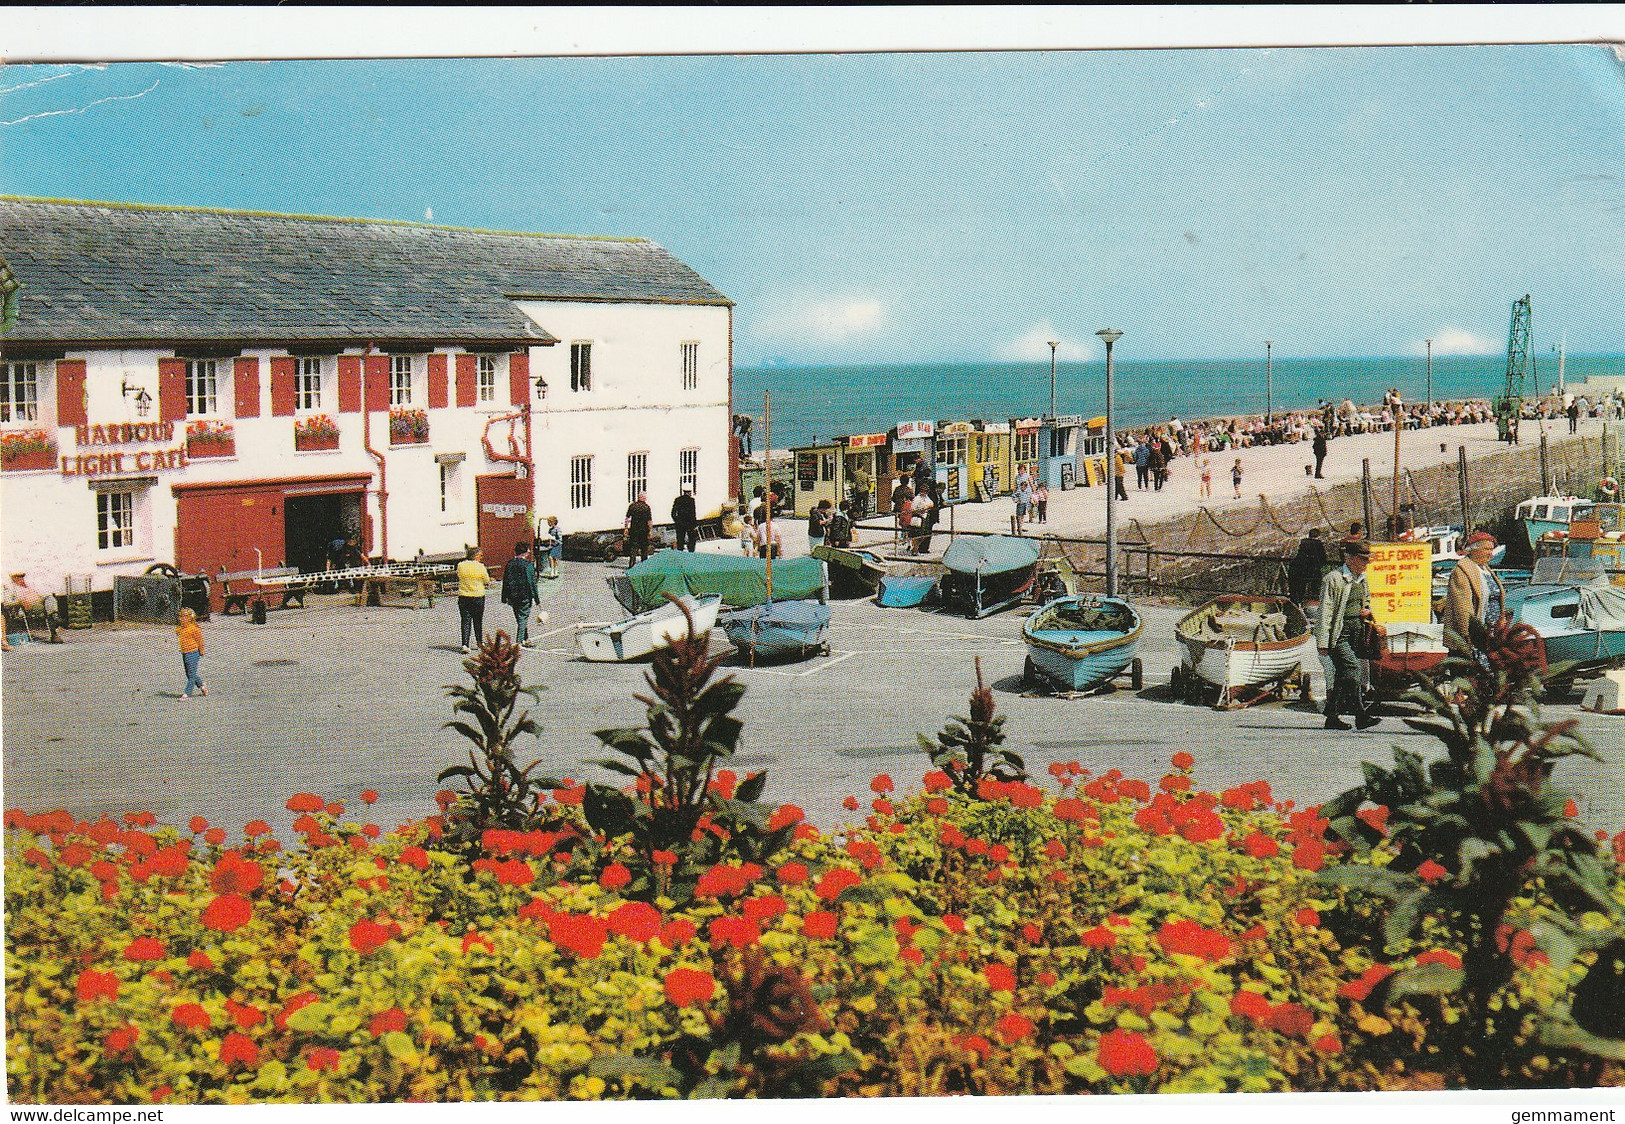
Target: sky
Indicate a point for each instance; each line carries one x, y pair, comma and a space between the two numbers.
934, 207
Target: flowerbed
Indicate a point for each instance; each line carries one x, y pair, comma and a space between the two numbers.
210, 439
318, 433
408, 427
1110, 936
26, 449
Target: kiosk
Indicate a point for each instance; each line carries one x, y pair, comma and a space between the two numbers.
1058, 447
953, 461
1025, 449
990, 459
818, 476
865, 453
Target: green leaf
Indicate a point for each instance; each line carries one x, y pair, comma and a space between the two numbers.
750, 790
615, 766
608, 810
1389, 884
400, 1047
1568, 1036
1428, 979
623, 1067
1406, 913
455, 771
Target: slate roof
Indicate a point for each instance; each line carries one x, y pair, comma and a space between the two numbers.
106, 273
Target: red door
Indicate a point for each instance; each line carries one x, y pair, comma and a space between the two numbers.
220, 531
504, 505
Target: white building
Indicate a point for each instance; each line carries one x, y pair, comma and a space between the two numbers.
217, 389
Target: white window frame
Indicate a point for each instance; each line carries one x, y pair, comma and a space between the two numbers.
637, 474
581, 365
451, 492
690, 350
309, 380
17, 408
202, 388
116, 530
1026, 445
401, 377
581, 482
485, 378
688, 469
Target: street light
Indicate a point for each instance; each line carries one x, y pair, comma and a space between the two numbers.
1053, 344
1430, 376
1111, 336
1269, 382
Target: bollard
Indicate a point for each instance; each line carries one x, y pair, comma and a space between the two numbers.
257, 611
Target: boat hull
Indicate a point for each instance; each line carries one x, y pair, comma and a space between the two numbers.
906, 591
781, 630
1413, 650
1243, 662
642, 635
1082, 657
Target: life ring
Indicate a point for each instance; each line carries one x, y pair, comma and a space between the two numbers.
1608, 488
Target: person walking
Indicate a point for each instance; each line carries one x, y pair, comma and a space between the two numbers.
817, 524
1157, 463
1024, 500
1119, 471
1474, 599
1303, 575
1206, 490
190, 637
685, 520
1320, 451
472, 578
1142, 464
1235, 477
1345, 610
838, 531
520, 592
555, 547
639, 518
1041, 501
862, 486
1573, 410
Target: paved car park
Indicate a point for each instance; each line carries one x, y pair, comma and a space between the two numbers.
336, 699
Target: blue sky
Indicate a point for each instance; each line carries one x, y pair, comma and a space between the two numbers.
923, 207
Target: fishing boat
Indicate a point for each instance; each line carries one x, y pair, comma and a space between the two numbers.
1413, 649
779, 629
853, 571
1247, 648
1578, 614
1541, 514
987, 573
1083, 642
740, 582
644, 633
907, 591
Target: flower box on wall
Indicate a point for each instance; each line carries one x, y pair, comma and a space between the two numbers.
210, 439
317, 434
408, 427
27, 450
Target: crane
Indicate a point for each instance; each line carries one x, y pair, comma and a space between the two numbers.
1510, 404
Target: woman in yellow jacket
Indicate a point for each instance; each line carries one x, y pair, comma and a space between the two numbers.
472, 578
191, 641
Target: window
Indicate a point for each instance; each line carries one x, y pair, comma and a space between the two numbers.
201, 387
952, 449
451, 491
485, 378
637, 475
688, 469
1059, 439
307, 384
580, 482
826, 468
1027, 445
691, 366
400, 380
115, 520
19, 392
581, 366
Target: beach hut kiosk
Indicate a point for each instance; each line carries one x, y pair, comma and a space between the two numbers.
1024, 448
1058, 447
990, 470
1092, 466
911, 441
818, 476
864, 454
952, 444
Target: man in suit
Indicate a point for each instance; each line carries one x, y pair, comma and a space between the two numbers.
1475, 597
1345, 609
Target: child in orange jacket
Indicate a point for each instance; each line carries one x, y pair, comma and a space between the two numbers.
191, 641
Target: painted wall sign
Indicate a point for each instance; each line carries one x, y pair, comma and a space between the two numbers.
995, 427
1068, 420
1401, 581
112, 464
124, 433
865, 440
504, 510
956, 427
1027, 423
913, 430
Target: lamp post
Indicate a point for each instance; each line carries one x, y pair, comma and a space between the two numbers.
1111, 336
1430, 376
1269, 382
1053, 344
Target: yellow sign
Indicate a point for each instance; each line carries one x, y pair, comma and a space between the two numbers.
1401, 581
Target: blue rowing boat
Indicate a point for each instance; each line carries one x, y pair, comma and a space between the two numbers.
1580, 618
779, 629
1081, 642
906, 591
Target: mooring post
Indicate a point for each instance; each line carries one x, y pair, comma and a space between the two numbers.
1461, 485
1365, 494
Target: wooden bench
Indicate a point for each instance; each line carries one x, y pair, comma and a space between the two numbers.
236, 604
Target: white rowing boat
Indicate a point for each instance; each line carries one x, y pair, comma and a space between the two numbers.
641, 635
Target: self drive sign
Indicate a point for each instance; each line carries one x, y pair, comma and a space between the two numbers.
1401, 581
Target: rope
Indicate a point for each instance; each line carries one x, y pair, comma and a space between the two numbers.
1331, 524
1269, 513
1226, 530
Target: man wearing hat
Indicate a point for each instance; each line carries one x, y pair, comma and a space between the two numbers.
1345, 609
1475, 597
685, 520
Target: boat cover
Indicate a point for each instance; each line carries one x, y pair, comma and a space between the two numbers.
1563, 570
740, 582
989, 554
1603, 607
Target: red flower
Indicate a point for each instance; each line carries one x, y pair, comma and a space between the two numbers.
239, 1048
385, 1021
664, 858
199, 961
121, 1040
974, 1043
305, 802
687, 986
514, 872
820, 925
1099, 937
571, 795
1439, 956
882, 783
792, 873
235, 875
245, 1016
953, 923
786, 815
227, 913
139, 819
1308, 918
1292, 1020
1260, 846
197, 825
637, 921
1032, 934
836, 882
1358, 989
938, 781
999, 977
1183, 760
335, 809
1250, 1004
144, 948
214, 836
1124, 1053
415, 857
368, 936
675, 934
614, 877
472, 938
369, 796
1055, 850
294, 1003
191, 1016
581, 934
1328, 1044
763, 909
322, 1058
850, 803
1431, 871
1571, 809
1013, 1027
1191, 939
96, 985
1309, 855
1375, 818
736, 931
727, 881
307, 825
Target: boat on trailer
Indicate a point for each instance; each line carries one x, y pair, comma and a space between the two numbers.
853, 571
779, 629
1578, 613
1243, 649
645, 633
987, 573
1413, 649
1082, 642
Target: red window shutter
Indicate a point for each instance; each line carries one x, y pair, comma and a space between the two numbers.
245, 381
171, 389
437, 382
70, 392
349, 384
377, 370
467, 392
283, 372
519, 378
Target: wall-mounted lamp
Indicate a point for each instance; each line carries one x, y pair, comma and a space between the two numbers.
143, 402
541, 387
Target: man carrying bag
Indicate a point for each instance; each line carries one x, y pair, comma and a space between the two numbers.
1342, 635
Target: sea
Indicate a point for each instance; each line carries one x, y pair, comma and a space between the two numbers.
814, 403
